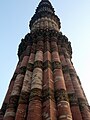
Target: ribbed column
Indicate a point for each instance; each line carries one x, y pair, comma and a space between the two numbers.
63, 107
13, 101
6, 100
82, 102
69, 85
21, 113
49, 107
35, 104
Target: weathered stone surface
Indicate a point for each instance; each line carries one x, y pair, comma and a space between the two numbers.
39, 56
38, 64
63, 60
21, 112
30, 67
40, 44
31, 58
24, 61
76, 114
45, 85
35, 110
49, 110
35, 94
56, 65
64, 111
22, 70
27, 81
61, 95
46, 45
10, 114
47, 56
65, 69
33, 49
55, 56
73, 99
48, 94
54, 46
17, 85
24, 98
47, 64
69, 83
48, 79
59, 79
37, 78
77, 87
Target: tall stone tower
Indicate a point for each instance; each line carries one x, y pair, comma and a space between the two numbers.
45, 85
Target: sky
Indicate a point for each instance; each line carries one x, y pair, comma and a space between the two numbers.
14, 25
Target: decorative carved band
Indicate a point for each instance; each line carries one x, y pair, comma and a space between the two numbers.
56, 65
44, 23
38, 64
13, 101
40, 37
48, 94
35, 94
24, 98
30, 67
61, 95
23, 70
65, 69
73, 99
47, 64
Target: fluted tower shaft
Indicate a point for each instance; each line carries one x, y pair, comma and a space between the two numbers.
45, 85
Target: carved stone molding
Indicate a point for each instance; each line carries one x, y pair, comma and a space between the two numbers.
73, 99
48, 94
24, 98
13, 101
30, 67
35, 94
47, 64
40, 45
38, 64
65, 69
56, 65
45, 23
23, 70
61, 95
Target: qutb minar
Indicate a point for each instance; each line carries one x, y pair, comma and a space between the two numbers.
45, 85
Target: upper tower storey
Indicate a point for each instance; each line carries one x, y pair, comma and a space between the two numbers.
44, 17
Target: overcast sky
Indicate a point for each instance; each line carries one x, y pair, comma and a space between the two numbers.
14, 25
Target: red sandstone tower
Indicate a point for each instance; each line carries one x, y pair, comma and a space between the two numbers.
45, 85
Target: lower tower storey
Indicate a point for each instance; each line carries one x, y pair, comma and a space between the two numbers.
45, 85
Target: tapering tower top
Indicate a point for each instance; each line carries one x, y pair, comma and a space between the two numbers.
44, 17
